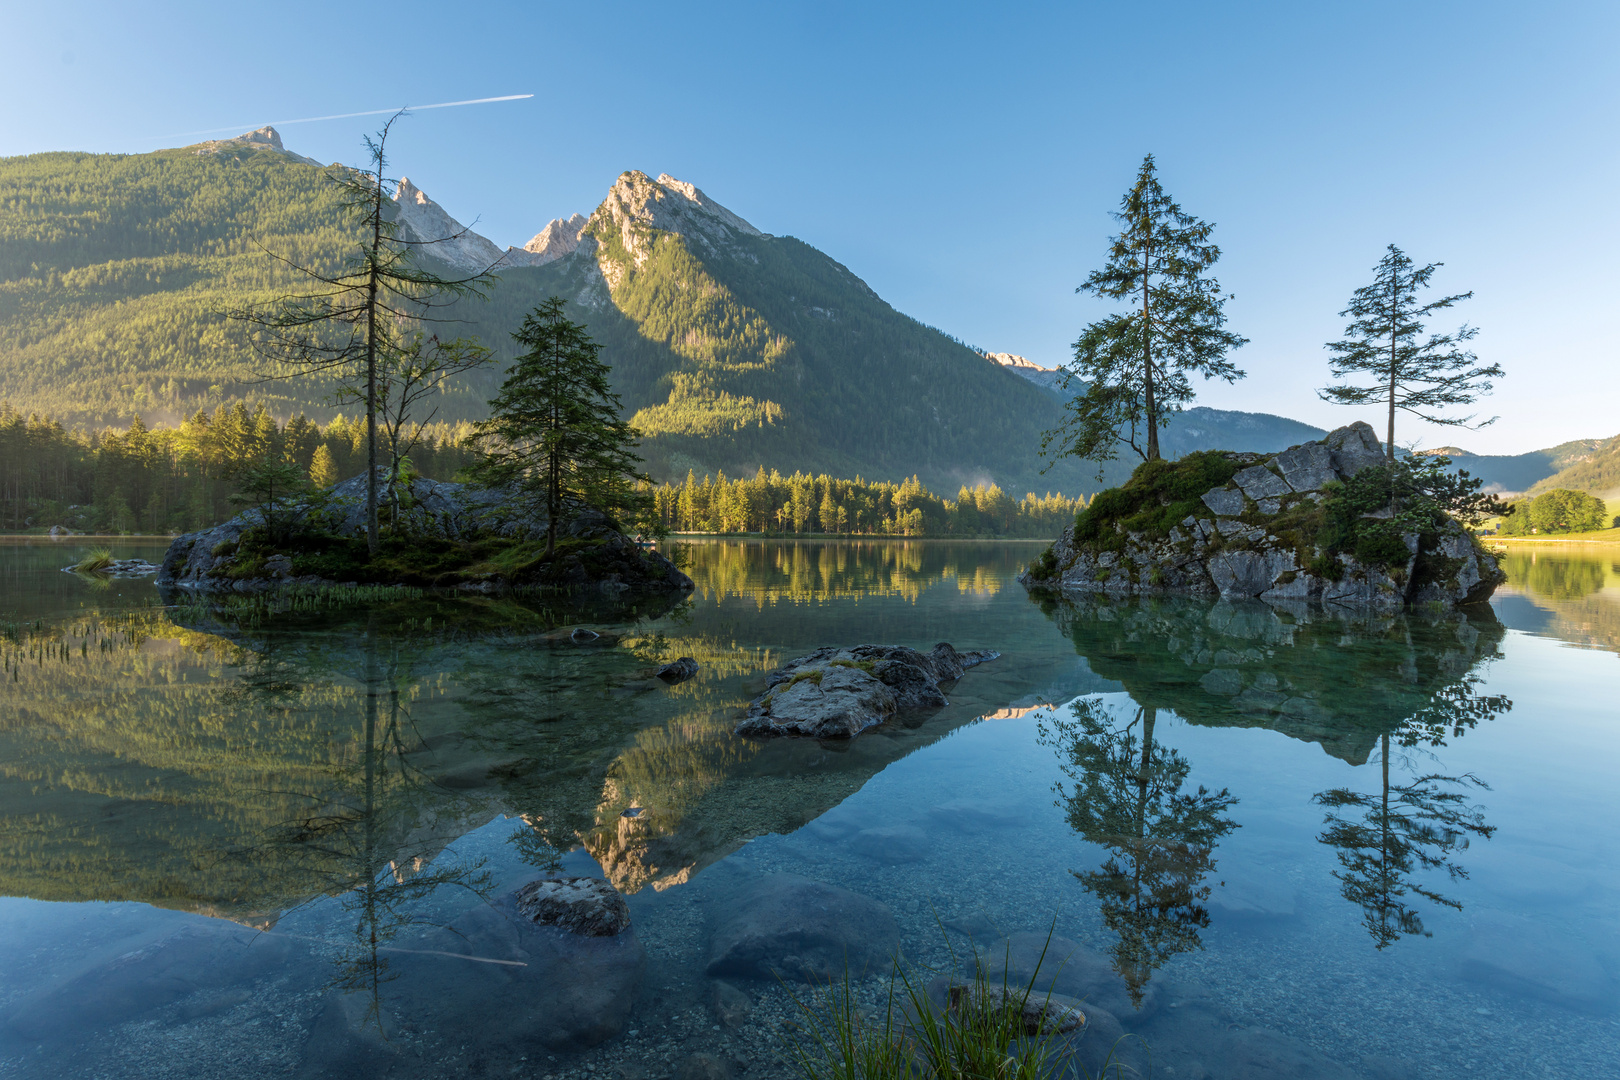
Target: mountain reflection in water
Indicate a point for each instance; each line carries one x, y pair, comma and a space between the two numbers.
373, 785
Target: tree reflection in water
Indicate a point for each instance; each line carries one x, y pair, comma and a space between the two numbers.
1126, 796
370, 838
1409, 828
1354, 682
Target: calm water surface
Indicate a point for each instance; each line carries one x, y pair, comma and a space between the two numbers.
1308, 845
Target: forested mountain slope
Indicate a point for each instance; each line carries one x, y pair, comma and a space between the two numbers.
1596, 472
733, 349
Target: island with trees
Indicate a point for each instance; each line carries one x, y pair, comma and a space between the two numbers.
1343, 520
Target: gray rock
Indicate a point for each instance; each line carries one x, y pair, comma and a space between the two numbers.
1353, 448
836, 693
1248, 573
1299, 586
731, 1006
1225, 501
1042, 1014
913, 688
497, 978
580, 905
678, 671
1259, 482
1306, 467
794, 928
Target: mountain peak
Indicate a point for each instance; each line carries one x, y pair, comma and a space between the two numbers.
637, 202
424, 221
551, 243
265, 138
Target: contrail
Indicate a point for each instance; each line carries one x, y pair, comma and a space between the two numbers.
349, 115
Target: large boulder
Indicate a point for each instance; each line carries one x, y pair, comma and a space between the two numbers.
836, 693
1244, 543
786, 926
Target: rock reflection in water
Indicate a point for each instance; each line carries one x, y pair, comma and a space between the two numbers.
1126, 795
1348, 680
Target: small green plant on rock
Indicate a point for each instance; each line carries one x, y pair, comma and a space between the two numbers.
95, 562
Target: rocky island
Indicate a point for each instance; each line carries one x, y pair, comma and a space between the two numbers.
1328, 522
440, 535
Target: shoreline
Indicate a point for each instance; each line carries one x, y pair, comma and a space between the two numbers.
1607, 538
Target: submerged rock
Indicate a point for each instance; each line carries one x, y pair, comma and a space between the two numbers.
498, 976
1250, 537
836, 693
790, 927
580, 905
678, 671
119, 568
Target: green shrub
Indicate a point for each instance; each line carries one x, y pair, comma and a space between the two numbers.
1157, 497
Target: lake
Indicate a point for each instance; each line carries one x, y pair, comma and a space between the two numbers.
1273, 842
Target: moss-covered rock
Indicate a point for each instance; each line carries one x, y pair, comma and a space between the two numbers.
1296, 526
443, 536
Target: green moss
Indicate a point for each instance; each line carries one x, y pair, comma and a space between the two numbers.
864, 665
1157, 497
807, 676
224, 547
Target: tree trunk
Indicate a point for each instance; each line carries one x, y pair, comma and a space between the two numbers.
1150, 403
1394, 309
371, 371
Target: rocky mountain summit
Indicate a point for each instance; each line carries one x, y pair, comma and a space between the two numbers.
1260, 530
265, 138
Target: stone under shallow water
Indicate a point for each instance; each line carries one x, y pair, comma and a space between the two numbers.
787, 926
497, 976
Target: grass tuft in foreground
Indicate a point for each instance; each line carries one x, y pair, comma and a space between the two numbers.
984, 1029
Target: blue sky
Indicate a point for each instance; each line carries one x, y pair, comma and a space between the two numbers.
962, 159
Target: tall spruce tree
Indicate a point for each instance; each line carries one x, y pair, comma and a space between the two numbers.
555, 433
1384, 341
1136, 363
356, 323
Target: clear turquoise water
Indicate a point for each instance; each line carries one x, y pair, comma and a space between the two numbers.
335, 780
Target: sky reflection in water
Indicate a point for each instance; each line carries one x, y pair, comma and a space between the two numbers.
1316, 820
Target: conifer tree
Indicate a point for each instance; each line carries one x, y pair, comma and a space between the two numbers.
355, 324
322, 469
555, 434
1384, 342
1135, 364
